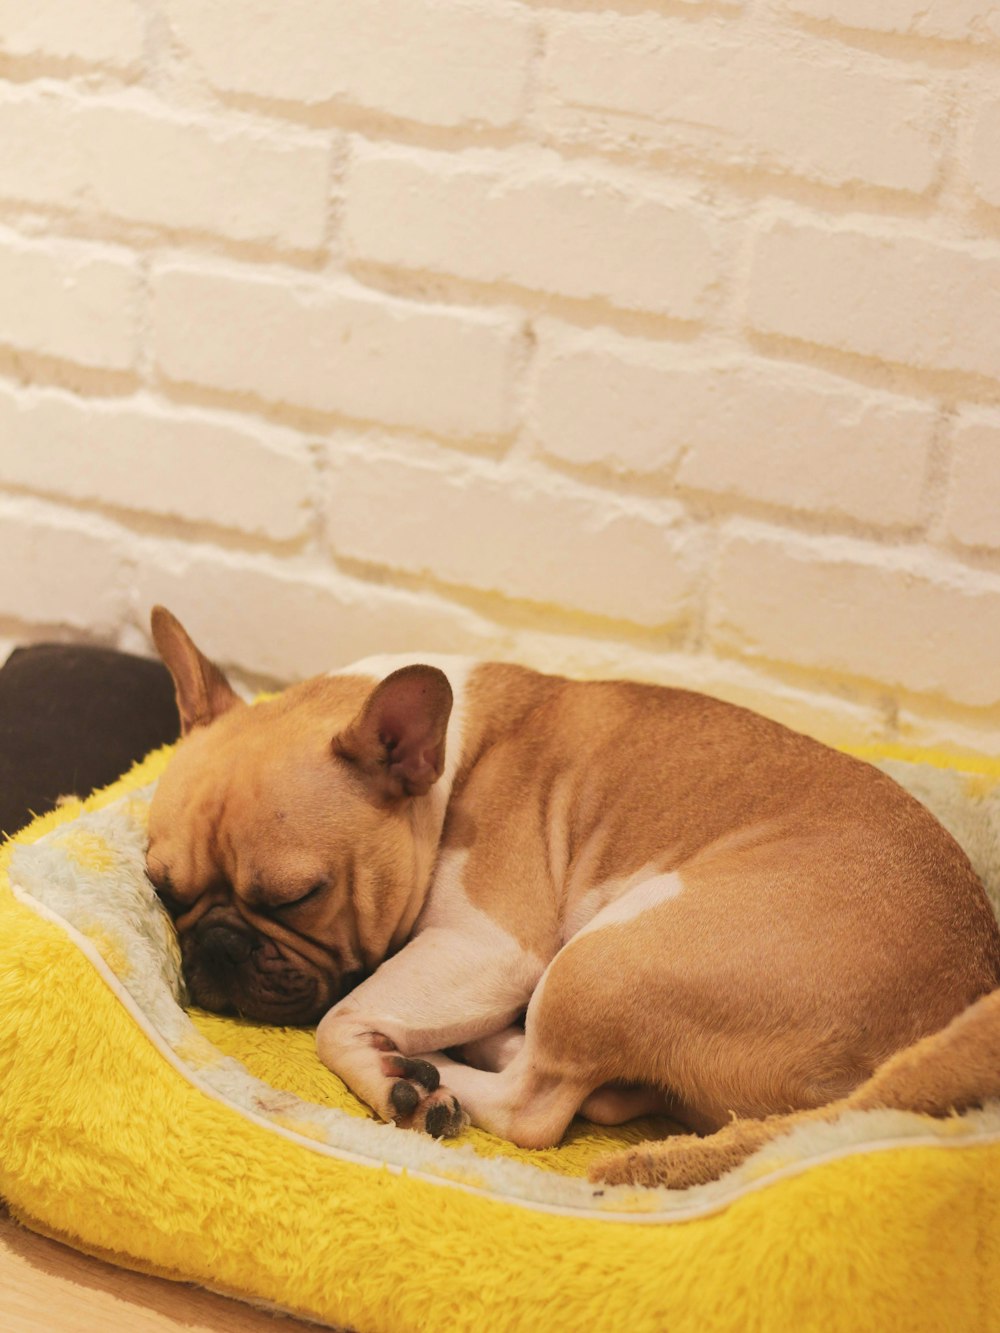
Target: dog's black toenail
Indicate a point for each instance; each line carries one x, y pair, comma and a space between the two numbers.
404, 1097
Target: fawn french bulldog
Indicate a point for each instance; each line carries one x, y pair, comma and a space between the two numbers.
693, 909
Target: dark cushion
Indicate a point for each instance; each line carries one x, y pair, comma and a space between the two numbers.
73, 718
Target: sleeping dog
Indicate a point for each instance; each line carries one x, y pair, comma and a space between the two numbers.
514, 897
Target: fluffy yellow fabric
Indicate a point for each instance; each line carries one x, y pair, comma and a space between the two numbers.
106, 1144
286, 1058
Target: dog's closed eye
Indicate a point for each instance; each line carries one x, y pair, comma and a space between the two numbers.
312, 892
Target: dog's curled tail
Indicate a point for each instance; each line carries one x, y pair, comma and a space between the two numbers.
950, 1070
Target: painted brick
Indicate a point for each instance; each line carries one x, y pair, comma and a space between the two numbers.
840, 606
59, 569
289, 621
337, 348
191, 465
757, 430
972, 515
606, 400
529, 219
751, 102
441, 63
98, 32
890, 295
807, 441
985, 157
959, 20
71, 301
482, 155
512, 532
147, 165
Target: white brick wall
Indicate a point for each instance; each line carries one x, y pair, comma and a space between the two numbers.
76, 302
127, 158
973, 503
154, 460
711, 88
885, 293
959, 20
516, 531
334, 347
89, 593
660, 341
435, 62
924, 627
534, 221
746, 429
100, 32
985, 164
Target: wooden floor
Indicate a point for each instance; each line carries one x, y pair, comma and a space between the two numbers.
47, 1288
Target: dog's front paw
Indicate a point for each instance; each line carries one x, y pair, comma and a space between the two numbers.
402, 1089
415, 1098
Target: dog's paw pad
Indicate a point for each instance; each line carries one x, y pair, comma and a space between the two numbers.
413, 1081
417, 1071
444, 1118
405, 1098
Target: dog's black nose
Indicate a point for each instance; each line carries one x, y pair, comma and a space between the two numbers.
223, 944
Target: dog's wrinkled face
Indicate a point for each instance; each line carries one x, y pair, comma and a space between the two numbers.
280, 836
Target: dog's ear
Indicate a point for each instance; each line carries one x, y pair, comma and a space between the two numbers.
203, 693
397, 740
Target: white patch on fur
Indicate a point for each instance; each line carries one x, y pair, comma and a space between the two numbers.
612, 903
461, 975
494, 960
594, 900
643, 892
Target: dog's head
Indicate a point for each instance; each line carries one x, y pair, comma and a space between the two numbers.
282, 836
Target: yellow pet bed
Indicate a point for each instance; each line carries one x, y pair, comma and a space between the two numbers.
223, 1153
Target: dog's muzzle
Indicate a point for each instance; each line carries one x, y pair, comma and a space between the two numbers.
223, 945
231, 968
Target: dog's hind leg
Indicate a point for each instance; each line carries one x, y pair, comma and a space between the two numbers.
538, 1079
950, 1070
610, 1105
530, 1102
